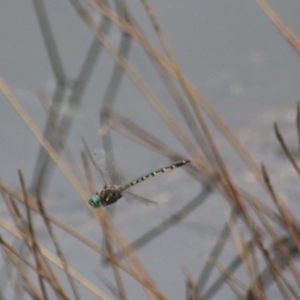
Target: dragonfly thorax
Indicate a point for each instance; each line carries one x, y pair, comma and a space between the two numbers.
110, 195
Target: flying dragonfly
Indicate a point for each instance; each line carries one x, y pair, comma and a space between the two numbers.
112, 193
113, 182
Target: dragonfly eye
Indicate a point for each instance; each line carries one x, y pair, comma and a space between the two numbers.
95, 201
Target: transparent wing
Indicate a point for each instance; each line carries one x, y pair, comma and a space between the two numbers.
100, 172
112, 174
128, 196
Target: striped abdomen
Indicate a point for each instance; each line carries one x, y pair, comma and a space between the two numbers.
155, 173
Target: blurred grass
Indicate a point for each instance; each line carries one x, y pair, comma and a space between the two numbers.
264, 262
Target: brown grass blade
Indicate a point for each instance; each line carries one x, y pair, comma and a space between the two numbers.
285, 31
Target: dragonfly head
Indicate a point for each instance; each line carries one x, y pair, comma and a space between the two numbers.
94, 201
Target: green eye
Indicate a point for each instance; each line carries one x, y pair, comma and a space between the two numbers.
95, 201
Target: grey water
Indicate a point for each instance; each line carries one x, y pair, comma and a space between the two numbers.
229, 51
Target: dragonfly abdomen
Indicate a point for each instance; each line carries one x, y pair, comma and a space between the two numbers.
155, 173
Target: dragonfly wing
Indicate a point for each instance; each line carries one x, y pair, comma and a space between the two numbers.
128, 196
103, 178
106, 163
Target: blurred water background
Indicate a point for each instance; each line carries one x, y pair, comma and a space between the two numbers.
231, 53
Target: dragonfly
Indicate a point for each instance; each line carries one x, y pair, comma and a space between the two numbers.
112, 193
